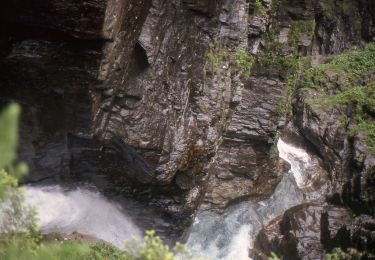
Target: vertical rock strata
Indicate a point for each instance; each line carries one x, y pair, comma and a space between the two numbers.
175, 109
338, 126
181, 101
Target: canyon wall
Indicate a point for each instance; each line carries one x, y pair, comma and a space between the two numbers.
179, 103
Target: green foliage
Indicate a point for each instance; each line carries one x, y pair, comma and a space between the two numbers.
339, 254
217, 57
152, 248
6, 181
347, 7
298, 28
280, 109
278, 57
258, 7
328, 9
9, 173
24, 249
17, 220
15, 216
8, 142
8, 134
349, 67
367, 127
295, 72
243, 63
273, 257
342, 82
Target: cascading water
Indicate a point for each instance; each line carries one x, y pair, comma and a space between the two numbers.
81, 210
229, 236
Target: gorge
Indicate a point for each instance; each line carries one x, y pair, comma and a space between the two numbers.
238, 127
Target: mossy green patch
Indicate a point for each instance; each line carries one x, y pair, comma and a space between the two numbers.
243, 63
348, 81
216, 58
258, 7
349, 67
298, 28
328, 9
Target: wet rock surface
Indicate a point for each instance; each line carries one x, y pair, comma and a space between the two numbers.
309, 230
146, 97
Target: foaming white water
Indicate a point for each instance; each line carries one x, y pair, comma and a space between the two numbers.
298, 159
81, 210
230, 236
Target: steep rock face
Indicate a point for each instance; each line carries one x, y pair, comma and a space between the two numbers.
163, 82
159, 96
247, 164
306, 231
326, 113
331, 117
51, 60
83, 19
175, 110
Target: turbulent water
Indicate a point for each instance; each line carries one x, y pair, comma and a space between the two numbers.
81, 210
229, 236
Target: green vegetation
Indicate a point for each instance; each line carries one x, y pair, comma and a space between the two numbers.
298, 28
297, 64
278, 57
274, 57
152, 248
328, 9
347, 69
243, 63
20, 238
300, 65
343, 82
339, 254
347, 7
273, 257
258, 7
217, 57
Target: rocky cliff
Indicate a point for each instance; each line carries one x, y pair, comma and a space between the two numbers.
179, 103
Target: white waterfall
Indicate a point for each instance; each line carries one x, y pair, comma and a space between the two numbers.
230, 236
83, 211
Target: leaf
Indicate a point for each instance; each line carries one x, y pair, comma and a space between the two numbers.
9, 134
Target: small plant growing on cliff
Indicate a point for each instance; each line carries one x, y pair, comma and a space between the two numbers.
328, 9
243, 63
344, 81
273, 256
153, 247
299, 28
216, 59
339, 254
258, 7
